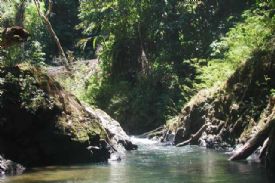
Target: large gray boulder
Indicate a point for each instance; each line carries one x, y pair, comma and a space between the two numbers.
117, 136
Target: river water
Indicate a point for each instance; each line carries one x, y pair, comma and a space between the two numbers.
153, 163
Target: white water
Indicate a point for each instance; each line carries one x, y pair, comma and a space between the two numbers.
143, 141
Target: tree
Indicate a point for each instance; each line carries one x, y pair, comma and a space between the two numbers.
20, 11
51, 31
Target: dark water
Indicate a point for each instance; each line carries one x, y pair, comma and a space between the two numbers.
153, 163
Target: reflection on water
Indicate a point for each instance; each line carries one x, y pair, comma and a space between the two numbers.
153, 163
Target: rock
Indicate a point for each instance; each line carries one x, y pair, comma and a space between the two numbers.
8, 167
128, 145
41, 124
270, 158
170, 137
116, 134
179, 136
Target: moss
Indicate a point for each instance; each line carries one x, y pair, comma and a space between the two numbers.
82, 128
51, 123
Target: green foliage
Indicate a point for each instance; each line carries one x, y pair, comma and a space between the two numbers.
272, 92
25, 88
270, 3
7, 13
166, 31
143, 105
32, 97
31, 53
12, 56
64, 18
247, 36
236, 47
214, 73
148, 52
32, 50
76, 82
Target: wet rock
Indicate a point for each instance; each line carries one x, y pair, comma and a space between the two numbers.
270, 158
8, 167
128, 145
117, 136
179, 136
168, 138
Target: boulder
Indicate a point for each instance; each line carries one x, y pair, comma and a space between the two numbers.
116, 134
41, 124
8, 167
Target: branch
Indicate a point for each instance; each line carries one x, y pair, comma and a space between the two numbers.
50, 7
194, 138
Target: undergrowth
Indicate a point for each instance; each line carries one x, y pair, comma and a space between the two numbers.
147, 102
232, 50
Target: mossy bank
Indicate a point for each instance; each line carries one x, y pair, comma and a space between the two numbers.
42, 124
230, 116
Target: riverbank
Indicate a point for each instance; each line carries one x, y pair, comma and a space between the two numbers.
43, 125
237, 116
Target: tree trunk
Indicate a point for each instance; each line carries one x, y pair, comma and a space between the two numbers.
19, 17
255, 142
51, 31
20, 11
143, 58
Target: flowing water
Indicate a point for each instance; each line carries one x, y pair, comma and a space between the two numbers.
153, 163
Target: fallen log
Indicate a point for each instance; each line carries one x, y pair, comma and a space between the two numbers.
255, 142
194, 138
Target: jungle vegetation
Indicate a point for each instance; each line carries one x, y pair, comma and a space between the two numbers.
154, 55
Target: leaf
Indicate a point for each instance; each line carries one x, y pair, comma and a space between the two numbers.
94, 42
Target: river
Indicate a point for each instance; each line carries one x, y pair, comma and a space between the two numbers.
153, 163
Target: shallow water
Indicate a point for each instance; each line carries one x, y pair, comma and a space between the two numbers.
153, 163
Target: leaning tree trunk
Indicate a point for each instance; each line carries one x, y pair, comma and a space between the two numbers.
51, 31
255, 142
20, 11
143, 57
